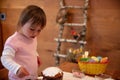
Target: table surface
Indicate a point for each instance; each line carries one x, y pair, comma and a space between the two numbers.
69, 66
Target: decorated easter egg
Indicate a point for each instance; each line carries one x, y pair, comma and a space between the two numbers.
95, 59
91, 60
99, 58
104, 60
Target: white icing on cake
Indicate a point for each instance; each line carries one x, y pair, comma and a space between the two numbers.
51, 71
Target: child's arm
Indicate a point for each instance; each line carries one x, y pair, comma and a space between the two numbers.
8, 62
38, 59
22, 72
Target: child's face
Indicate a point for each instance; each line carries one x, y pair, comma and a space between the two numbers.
30, 31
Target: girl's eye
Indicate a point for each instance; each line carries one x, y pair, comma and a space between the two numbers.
32, 29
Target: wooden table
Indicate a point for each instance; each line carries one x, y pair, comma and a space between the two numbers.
69, 66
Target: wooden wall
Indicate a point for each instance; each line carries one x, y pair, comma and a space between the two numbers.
102, 33
1, 43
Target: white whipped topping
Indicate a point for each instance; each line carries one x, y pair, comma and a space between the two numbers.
51, 71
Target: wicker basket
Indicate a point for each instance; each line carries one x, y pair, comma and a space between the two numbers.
92, 68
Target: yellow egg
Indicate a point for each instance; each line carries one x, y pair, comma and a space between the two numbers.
95, 59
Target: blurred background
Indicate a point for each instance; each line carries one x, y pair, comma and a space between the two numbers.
102, 36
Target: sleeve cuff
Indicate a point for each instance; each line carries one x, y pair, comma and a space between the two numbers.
16, 69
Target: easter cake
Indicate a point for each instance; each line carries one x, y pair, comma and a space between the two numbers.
52, 73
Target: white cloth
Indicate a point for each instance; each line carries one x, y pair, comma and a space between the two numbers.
7, 59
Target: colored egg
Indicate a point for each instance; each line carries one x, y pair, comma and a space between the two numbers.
104, 60
99, 58
95, 59
91, 60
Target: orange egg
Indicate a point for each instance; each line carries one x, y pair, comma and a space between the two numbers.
104, 60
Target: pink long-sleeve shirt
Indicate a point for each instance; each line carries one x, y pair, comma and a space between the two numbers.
20, 51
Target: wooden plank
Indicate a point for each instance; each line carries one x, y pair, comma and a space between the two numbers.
3, 74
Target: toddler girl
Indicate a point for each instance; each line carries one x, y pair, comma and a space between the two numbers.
19, 55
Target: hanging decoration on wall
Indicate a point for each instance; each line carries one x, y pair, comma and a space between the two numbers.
78, 35
75, 34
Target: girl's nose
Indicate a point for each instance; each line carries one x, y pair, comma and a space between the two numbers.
35, 33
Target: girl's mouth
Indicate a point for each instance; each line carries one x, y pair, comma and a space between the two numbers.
32, 36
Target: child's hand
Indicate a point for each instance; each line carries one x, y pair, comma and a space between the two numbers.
22, 72
38, 60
